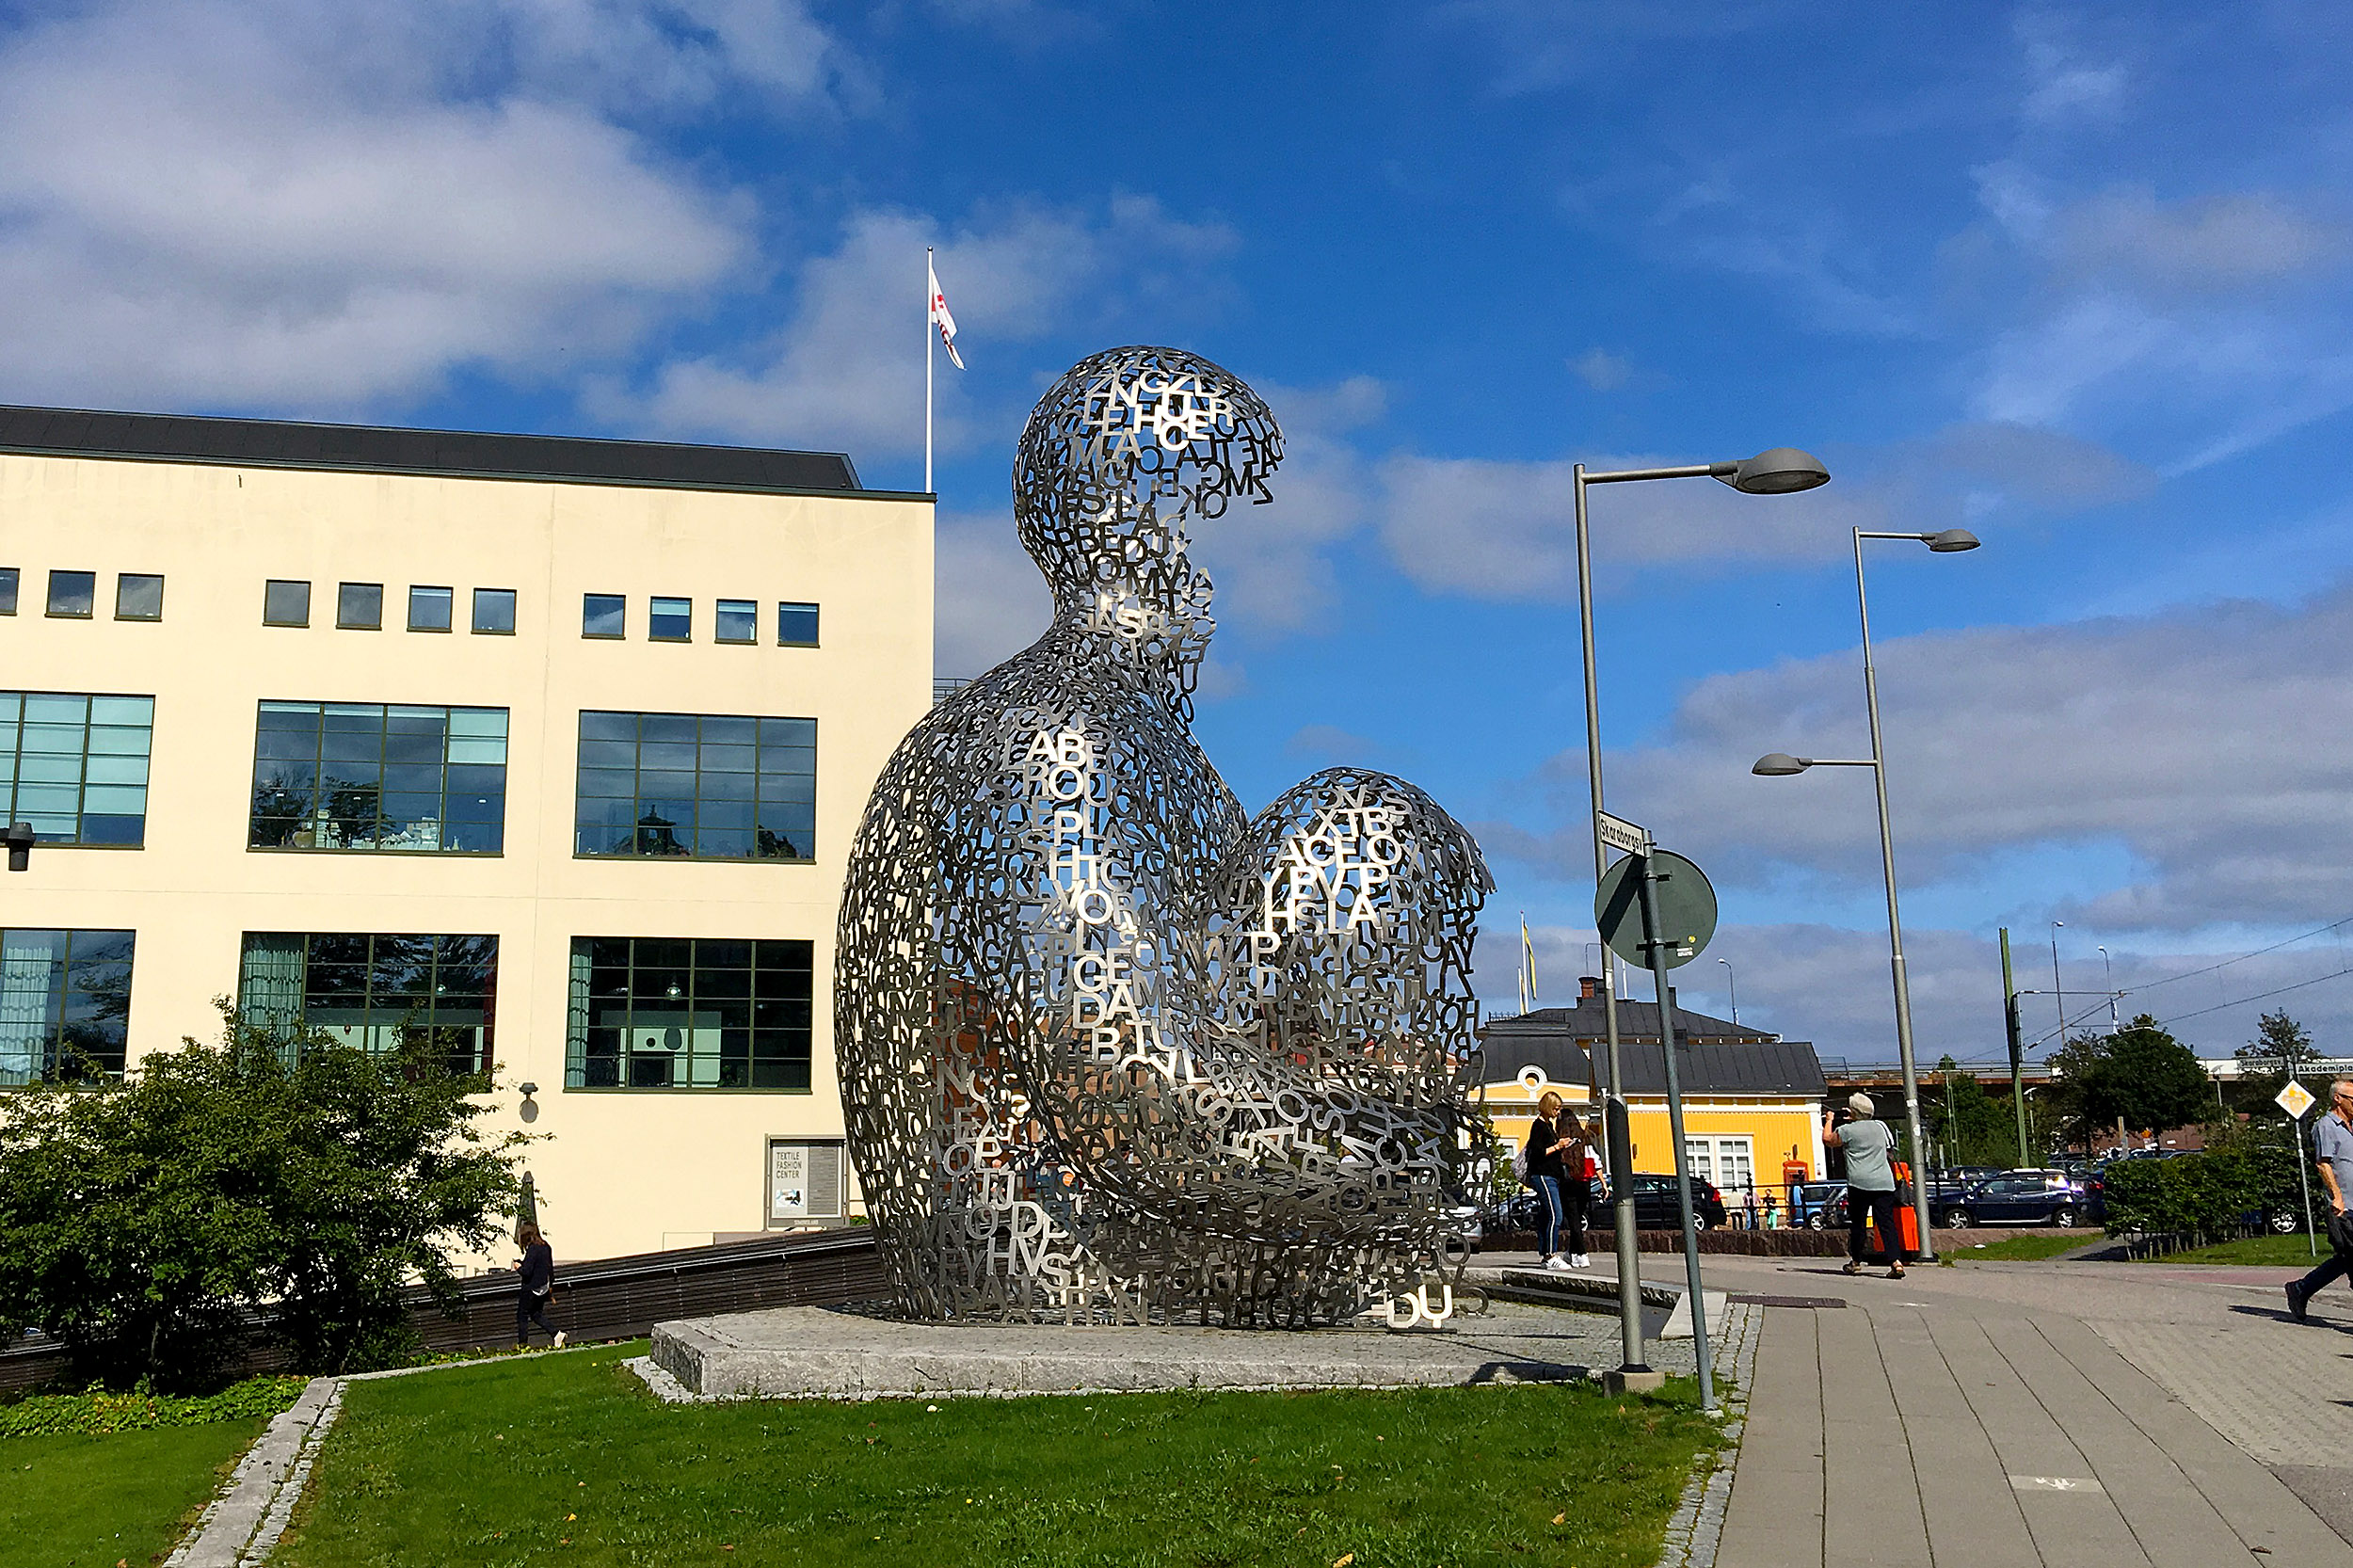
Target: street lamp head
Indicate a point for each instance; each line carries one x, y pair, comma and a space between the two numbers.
1784, 471
1951, 541
1780, 764
19, 837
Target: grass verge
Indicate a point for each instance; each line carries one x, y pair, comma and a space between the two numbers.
75, 1501
2291, 1250
2012, 1249
566, 1458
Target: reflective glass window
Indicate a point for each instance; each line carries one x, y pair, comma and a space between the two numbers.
285, 603
796, 625
402, 778
603, 616
494, 611
429, 609
65, 1005
671, 620
375, 991
8, 590
658, 1013
75, 765
139, 596
73, 593
713, 786
360, 606
738, 621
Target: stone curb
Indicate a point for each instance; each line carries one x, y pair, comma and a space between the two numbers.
1696, 1527
240, 1527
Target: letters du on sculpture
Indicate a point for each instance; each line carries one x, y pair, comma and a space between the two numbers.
1111, 1051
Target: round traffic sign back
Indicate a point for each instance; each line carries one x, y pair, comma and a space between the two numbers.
1687, 908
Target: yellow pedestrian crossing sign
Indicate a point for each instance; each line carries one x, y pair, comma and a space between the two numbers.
2296, 1099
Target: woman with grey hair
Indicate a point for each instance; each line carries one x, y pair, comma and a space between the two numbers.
1870, 1181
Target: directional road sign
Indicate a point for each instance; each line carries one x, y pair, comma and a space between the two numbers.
2296, 1099
1686, 907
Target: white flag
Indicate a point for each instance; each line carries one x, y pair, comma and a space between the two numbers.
941, 319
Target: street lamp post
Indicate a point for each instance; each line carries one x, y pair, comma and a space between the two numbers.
2058, 990
1782, 470
1732, 984
2109, 969
1778, 764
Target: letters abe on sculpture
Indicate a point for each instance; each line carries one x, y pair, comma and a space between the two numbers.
1111, 1051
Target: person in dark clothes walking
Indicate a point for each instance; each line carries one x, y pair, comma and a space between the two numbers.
2332, 1148
1870, 1181
538, 1270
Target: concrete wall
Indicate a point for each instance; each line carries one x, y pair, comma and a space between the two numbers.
623, 1171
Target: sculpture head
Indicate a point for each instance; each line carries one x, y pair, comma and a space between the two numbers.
1118, 459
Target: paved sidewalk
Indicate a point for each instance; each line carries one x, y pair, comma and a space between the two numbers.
2037, 1416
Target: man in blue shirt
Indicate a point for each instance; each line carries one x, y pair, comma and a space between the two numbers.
2333, 1148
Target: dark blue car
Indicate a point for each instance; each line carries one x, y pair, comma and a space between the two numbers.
2022, 1200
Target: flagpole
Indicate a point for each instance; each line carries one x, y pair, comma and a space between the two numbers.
928, 334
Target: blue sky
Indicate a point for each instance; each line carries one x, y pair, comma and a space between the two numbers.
2074, 277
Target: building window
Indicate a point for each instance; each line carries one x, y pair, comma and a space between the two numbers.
738, 621
73, 593
377, 992
494, 612
717, 787
65, 1005
75, 765
1729, 1162
671, 620
8, 590
603, 616
139, 596
285, 603
429, 609
651, 1012
796, 625
360, 607
372, 776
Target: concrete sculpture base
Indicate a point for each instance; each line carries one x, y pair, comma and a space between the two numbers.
820, 1353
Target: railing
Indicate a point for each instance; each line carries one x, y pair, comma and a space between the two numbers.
612, 1298
946, 686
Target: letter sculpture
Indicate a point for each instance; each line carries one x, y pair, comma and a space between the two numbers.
1111, 1051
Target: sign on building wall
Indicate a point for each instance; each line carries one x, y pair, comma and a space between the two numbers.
804, 1181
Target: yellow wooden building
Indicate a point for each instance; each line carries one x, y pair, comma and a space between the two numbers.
1751, 1101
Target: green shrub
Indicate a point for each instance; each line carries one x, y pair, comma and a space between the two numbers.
2197, 1194
97, 1412
277, 1183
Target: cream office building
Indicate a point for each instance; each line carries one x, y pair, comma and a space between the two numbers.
551, 748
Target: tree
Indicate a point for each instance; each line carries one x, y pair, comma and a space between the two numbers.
1974, 1127
2141, 1075
280, 1182
2279, 1050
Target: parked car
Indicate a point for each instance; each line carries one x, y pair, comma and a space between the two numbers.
1810, 1203
2022, 1200
1656, 1207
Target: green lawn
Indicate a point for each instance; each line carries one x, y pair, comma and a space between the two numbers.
2010, 1249
568, 1459
2292, 1251
70, 1501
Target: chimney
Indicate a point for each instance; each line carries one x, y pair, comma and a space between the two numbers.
1588, 986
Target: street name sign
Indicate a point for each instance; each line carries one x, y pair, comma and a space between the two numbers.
1620, 834
2296, 1099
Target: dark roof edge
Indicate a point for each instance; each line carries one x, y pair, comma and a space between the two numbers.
12, 445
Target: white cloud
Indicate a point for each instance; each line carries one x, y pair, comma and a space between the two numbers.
1329, 743
2210, 743
991, 601
1601, 370
848, 368
288, 204
1503, 530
